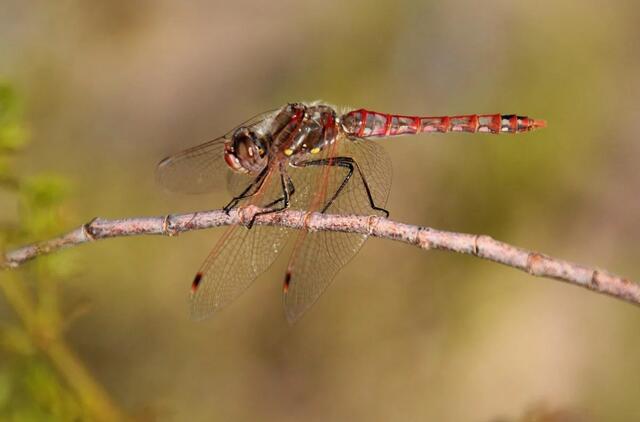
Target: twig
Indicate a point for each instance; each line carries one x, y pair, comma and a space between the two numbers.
481, 246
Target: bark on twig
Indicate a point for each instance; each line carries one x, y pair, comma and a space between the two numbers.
481, 246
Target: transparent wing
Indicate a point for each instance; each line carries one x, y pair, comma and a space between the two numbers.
237, 182
202, 168
318, 256
236, 261
195, 170
238, 258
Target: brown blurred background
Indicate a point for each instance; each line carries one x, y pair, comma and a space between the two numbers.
402, 334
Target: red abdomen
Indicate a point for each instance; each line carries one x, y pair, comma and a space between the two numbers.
364, 123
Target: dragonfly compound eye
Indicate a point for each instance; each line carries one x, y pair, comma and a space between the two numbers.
246, 151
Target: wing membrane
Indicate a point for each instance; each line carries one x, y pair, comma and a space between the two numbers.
202, 168
195, 170
319, 256
238, 258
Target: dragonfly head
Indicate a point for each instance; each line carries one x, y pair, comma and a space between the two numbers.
246, 151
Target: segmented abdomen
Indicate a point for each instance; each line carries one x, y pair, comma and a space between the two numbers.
364, 123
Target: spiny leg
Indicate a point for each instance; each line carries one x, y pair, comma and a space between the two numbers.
285, 199
350, 164
292, 190
257, 182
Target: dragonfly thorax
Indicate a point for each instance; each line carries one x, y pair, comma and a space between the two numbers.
299, 130
246, 151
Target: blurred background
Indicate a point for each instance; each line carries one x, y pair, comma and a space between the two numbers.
101, 91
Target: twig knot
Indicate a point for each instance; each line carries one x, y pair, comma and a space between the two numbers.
88, 231
372, 222
167, 226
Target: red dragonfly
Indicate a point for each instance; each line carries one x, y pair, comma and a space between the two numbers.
308, 157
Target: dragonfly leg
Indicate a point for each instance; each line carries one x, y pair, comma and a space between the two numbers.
257, 183
284, 199
292, 190
350, 164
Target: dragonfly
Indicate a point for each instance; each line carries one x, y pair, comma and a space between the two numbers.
303, 156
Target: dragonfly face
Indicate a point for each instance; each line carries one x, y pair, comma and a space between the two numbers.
247, 151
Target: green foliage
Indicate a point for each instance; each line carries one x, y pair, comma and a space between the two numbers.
30, 388
13, 134
41, 197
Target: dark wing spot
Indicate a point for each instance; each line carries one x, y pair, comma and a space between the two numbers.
196, 282
287, 281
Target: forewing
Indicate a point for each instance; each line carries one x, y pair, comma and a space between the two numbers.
195, 170
202, 168
238, 258
318, 256
237, 182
